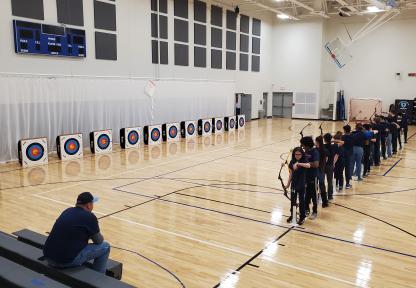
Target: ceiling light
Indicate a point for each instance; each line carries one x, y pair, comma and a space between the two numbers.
373, 9
283, 16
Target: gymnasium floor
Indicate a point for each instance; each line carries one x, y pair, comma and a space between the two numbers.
211, 211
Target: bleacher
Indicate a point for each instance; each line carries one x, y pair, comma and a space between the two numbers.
23, 265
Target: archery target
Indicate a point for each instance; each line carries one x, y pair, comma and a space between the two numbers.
230, 123
101, 141
190, 129
204, 127
153, 134
69, 146
130, 137
218, 125
170, 132
241, 121
33, 152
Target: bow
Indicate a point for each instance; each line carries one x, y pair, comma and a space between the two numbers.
280, 175
320, 128
301, 131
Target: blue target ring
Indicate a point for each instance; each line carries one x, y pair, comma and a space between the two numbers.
103, 141
35, 152
219, 125
133, 137
207, 127
173, 131
241, 121
71, 146
155, 135
232, 123
191, 129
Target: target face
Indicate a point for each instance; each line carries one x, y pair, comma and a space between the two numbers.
207, 127
71, 146
173, 132
219, 125
191, 129
35, 152
241, 121
155, 135
133, 137
103, 141
232, 123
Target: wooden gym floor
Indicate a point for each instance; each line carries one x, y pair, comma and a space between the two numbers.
211, 211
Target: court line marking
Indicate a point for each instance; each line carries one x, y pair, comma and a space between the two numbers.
206, 243
385, 200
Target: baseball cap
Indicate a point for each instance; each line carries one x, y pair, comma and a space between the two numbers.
86, 197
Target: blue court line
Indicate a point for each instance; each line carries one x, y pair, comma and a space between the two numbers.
392, 167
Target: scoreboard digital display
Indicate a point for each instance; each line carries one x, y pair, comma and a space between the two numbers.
42, 39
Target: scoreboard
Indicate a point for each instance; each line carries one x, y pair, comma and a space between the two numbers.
43, 39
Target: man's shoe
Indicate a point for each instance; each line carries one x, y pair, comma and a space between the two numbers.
289, 219
313, 216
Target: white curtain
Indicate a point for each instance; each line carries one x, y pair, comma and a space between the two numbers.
40, 106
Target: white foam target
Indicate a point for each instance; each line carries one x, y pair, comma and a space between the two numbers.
241, 121
171, 132
101, 141
218, 125
153, 134
230, 123
69, 146
130, 137
33, 152
205, 127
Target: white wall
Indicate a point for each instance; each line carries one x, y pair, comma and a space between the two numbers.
376, 59
297, 51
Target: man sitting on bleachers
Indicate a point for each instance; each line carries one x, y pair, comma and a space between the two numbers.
67, 244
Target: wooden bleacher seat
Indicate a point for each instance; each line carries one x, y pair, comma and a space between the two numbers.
31, 257
114, 268
15, 275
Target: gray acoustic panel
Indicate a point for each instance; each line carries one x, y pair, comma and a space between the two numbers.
181, 8
105, 16
200, 57
155, 52
105, 46
163, 27
244, 43
164, 53
243, 62
163, 6
216, 37
70, 12
200, 34
27, 8
216, 59
231, 20
154, 25
255, 63
230, 60
181, 30
255, 45
231, 40
216, 16
181, 55
256, 27
153, 5
244, 24
200, 11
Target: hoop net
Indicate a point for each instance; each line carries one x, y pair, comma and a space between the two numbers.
361, 110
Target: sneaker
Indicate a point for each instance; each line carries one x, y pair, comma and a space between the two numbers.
301, 221
330, 198
348, 186
289, 219
325, 205
360, 179
313, 216
364, 176
340, 190
307, 212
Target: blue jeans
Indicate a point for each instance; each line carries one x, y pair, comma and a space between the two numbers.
389, 145
97, 252
357, 158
